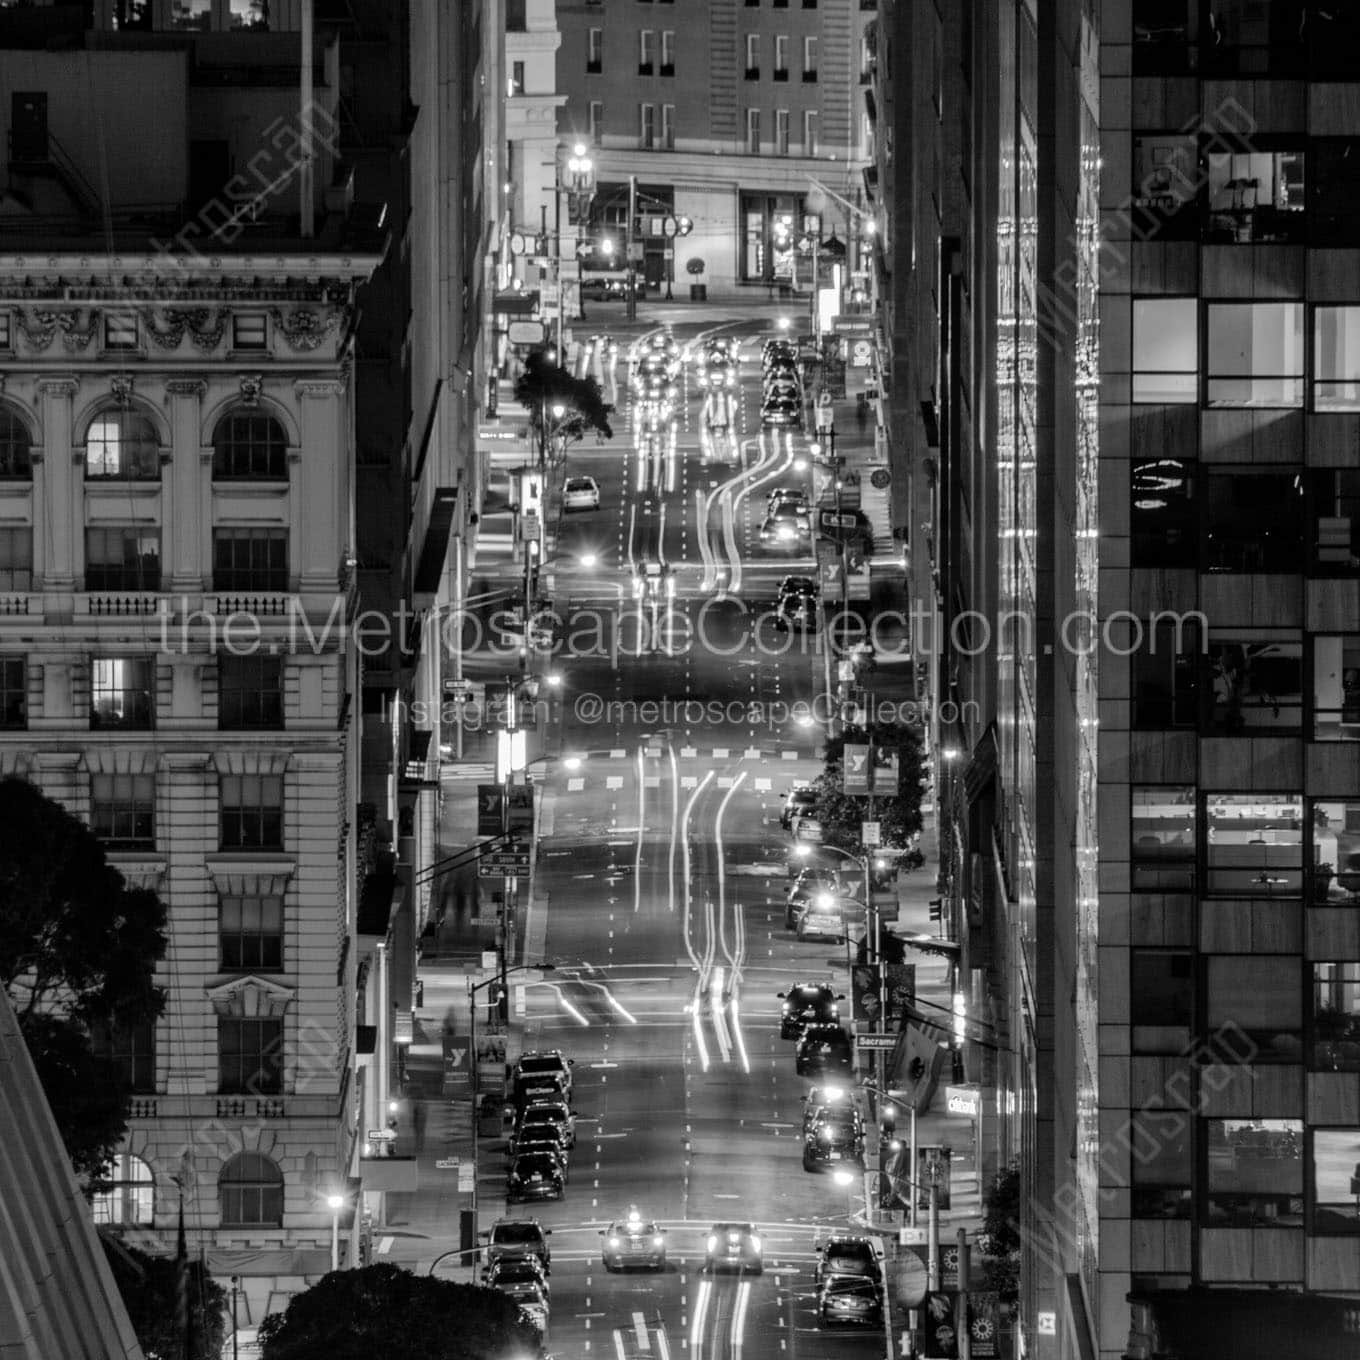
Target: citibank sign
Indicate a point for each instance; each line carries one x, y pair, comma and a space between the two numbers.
963, 1100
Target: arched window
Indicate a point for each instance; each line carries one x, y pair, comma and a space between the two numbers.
250, 444
16, 446
250, 1191
130, 1199
122, 444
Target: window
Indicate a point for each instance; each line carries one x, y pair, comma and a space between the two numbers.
781, 56
809, 60
1255, 354
249, 331
194, 14
1336, 1173
123, 810
594, 51
1255, 1172
753, 56
810, 132
1336, 687
16, 447
753, 131
1255, 845
1159, 1163
6, 331
668, 52
1163, 522
123, 558
250, 559
249, 1056
16, 559
1165, 350
249, 445
1166, 181
129, 1197
1334, 501
122, 693
1255, 1000
1254, 197
646, 51
249, 692
1334, 191
120, 330
131, 1051
1165, 676
1333, 36
668, 126
1254, 521
250, 1192
1163, 837
1334, 1031
250, 931
1253, 37
13, 693
1335, 860
122, 444
1336, 358
1254, 683
131, 14
1161, 998
647, 124
781, 132
252, 811
250, 14
595, 117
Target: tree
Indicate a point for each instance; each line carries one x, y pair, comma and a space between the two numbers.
78, 948
898, 812
544, 384
385, 1310
149, 1288
1000, 1239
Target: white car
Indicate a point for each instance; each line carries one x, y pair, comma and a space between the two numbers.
581, 493
653, 581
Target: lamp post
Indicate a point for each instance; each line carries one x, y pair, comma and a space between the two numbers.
335, 1203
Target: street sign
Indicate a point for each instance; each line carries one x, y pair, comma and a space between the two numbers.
507, 859
381, 1135
502, 871
446, 1164
870, 833
467, 1178
525, 333
965, 1100
871, 1043
830, 519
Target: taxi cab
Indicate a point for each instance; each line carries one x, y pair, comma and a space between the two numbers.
633, 1242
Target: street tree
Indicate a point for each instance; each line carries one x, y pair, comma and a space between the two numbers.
385, 1310
78, 950
544, 384
150, 1285
898, 811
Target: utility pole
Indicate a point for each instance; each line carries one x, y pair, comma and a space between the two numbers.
961, 1312
628, 247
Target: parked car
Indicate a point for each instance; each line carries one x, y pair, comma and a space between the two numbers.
782, 411
850, 1302
534, 1175
554, 1112
844, 1256
824, 1050
517, 1270
541, 1060
808, 1003
512, 1238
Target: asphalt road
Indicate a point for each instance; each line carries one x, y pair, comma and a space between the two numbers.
662, 863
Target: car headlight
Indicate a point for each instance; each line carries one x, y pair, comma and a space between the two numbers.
827, 1136
656, 1241
712, 1242
614, 1242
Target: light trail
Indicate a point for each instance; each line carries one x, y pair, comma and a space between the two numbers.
642, 829
737, 1335
715, 1003
700, 967
675, 826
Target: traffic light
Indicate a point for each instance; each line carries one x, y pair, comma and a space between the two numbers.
937, 909
888, 1115
684, 225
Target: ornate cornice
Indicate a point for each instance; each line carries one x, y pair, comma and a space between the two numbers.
302, 328
63, 385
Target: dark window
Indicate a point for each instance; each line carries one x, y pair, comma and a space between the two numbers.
1334, 1030
250, 931
16, 447
1159, 1156
250, 559
250, 445
1254, 521
250, 1190
13, 693
1336, 687
252, 812
1161, 999
249, 331
1335, 514
1333, 38
131, 1050
6, 331
1254, 1172
120, 330
249, 693
1165, 36
122, 692
1163, 837
1334, 190
249, 1056
16, 559
1253, 38
1253, 684
1254, 196
1165, 675
1255, 1002
122, 559
122, 444
123, 810
1164, 526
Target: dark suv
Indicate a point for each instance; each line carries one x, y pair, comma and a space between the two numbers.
822, 1050
809, 1003
835, 1138
853, 1257
512, 1238
796, 803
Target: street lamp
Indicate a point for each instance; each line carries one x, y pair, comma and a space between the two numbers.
335, 1203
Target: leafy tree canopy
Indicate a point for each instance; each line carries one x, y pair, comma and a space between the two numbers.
544, 384
899, 813
385, 1310
77, 947
149, 1286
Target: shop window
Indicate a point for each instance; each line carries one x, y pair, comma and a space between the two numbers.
1165, 676
1161, 992
1254, 197
1334, 1031
1336, 1181
1253, 38
1254, 521
1166, 350
1335, 861
1162, 838
1255, 1002
1255, 683
1255, 354
1160, 1144
1254, 1172
249, 14
1336, 358
1165, 186
1336, 687
1164, 524
1254, 845
1334, 189
1165, 36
